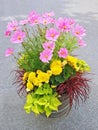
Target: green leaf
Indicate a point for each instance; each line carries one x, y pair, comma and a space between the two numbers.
35, 109
27, 107
53, 107
47, 89
55, 101
40, 108
42, 101
48, 111
39, 91
29, 99
59, 78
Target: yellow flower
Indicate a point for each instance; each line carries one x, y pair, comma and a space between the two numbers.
56, 67
42, 76
32, 76
49, 72
30, 86
72, 61
56, 62
25, 76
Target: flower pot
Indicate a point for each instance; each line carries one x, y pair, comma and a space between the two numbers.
63, 109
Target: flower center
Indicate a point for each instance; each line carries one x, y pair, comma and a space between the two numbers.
14, 28
65, 27
49, 47
52, 35
77, 32
19, 38
35, 21
46, 56
62, 53
45, 21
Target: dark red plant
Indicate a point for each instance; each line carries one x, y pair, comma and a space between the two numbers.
77, 87
21, 86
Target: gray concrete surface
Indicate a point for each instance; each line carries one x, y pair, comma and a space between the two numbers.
12, 115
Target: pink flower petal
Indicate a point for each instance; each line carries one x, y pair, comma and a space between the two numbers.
45, 56
63, 53
9, 52
18, 36
52, 34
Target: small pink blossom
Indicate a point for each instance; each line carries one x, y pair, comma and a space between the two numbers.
18, 36
81, 42
23, 22
71, 21
13, 26
45, 56
63, 24
9, 52
46, 21
63, 53
79, 31
7, 33
52, 34
34, 18
49, 45
50, 14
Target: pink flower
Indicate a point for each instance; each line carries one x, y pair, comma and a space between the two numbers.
7, 33
49, 45
34, 18
63, 24
81, 42
23, 22
52, 34
50, 14
63, 53
79, 31
46, 21
71, 21
18, 36
46, 55
9, 52
12, 26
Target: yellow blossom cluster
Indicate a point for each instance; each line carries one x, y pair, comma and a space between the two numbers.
39, 77
77, 64
72, 61
56, 67
36, 78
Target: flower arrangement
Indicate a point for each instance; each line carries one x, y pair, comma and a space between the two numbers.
46, 67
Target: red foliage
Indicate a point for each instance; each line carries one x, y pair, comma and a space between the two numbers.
18, 80
77, 87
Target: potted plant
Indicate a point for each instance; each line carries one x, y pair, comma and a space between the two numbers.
48, 73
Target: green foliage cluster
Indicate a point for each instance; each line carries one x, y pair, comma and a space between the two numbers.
43, 100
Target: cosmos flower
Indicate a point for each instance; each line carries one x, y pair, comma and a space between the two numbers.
79, 31
81, 42
49, 45
46, 55
7, 33
18, 36
52, 34
23, 22
13, 26
9, 52
63, 53
63, 24
34, 18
